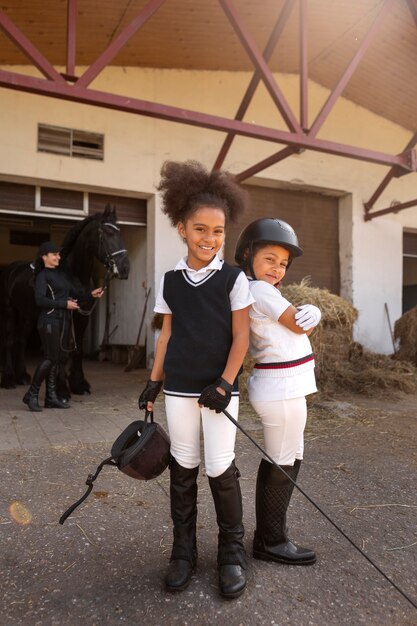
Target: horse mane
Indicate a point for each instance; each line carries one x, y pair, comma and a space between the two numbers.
109, 214
72, 235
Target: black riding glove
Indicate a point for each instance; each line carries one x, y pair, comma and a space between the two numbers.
149, 394
213, 399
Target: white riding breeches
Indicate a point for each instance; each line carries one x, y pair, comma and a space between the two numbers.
283, 424
184, 417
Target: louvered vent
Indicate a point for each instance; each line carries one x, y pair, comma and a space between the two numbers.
70, 142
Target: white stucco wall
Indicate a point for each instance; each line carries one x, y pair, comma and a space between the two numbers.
135, 147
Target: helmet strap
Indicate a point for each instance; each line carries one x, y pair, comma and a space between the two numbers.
90, 480
250, 261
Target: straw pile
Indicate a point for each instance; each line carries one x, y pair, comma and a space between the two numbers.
405, 331
341, 363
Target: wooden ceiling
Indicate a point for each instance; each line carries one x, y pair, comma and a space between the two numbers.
196, 34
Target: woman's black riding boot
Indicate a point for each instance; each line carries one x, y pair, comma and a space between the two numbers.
31, 397
51, 399
183, 494
273, 495
231, 556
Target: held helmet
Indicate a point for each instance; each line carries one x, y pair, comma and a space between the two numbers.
266, 230
142, 450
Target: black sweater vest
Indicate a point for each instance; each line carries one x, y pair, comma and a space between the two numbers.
201, 335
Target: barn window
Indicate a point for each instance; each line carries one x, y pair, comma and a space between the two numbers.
70, 142
58, 200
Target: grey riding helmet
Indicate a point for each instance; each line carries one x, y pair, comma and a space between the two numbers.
266, 230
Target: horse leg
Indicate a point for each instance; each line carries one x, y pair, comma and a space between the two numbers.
23, 332
77, 381
8, 377
62, 390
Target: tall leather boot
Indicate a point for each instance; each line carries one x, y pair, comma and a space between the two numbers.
273, 495
31, 397
51, 399
231, 555
183, 494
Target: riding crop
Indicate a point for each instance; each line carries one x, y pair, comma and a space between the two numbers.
227, 414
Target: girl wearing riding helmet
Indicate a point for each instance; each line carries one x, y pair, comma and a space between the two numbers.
204, 338
281, 378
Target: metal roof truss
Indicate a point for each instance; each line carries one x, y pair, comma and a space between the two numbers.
299, 137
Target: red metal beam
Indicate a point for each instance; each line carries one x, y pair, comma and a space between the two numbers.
262, 165
303, 66
117, 44
394, 172
261, 66
65, 91
392, 209
71, 36
28, 49
269, 48
386, 181
347, 75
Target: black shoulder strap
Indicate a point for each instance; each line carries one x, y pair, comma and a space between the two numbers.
90, 479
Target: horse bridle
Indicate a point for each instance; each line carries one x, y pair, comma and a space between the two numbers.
109, 257
109, 263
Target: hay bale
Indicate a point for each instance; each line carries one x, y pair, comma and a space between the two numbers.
405, 331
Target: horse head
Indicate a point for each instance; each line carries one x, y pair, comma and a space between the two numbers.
111, 251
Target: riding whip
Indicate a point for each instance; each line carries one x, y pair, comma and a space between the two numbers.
227, 414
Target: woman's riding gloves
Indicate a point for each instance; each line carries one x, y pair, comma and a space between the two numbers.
308, 316
213, 399
149, 394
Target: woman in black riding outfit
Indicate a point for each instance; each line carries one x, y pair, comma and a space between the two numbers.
54, 294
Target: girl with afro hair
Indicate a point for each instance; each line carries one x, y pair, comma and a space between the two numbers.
198, 358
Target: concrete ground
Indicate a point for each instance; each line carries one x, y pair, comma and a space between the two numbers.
105, 565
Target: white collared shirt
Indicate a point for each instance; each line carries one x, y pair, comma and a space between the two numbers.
240, 296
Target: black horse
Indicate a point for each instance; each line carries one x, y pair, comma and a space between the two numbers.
97, 236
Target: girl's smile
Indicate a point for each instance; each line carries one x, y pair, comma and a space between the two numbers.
270, 263
203, 233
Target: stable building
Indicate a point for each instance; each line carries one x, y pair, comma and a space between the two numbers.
310, 104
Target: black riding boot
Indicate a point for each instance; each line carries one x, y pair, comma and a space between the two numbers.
231, 556
31, 397
273, 495
183, 493
51, 399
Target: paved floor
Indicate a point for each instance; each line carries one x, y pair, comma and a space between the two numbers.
93, 418
106, 564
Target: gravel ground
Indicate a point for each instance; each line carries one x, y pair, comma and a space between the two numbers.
106, 563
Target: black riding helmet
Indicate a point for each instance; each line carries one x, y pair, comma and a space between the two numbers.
142, 450
268, 230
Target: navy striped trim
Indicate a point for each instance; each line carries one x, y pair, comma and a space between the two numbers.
200, 282
284, 364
